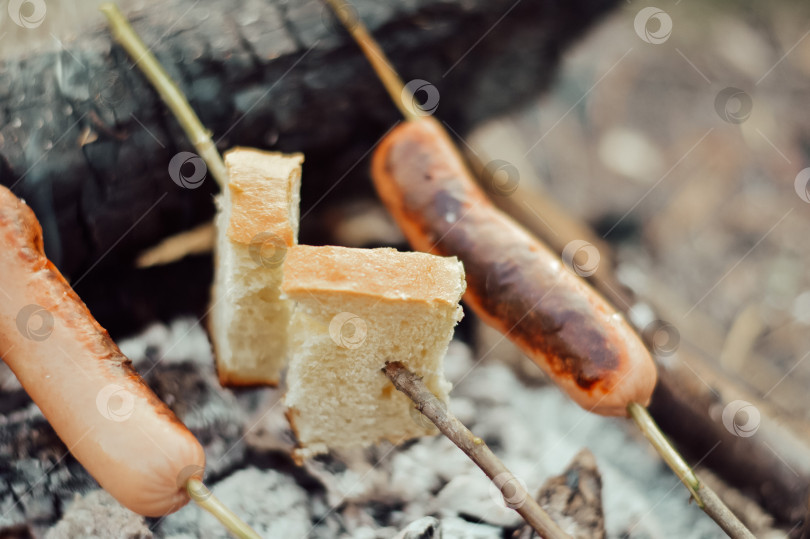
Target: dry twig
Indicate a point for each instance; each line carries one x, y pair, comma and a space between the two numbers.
206, 500
201, 139
705, 497
199, 136
513, 492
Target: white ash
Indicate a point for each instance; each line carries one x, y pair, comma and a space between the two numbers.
272, 503
449, 528
424, 527
458, 528
471, 497
378, 492
537, 431
98, 515
177, 342
39, 476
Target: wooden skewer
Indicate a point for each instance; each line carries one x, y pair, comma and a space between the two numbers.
474, 447
206, 500
705, 497
374, 54
201, 139
199, 136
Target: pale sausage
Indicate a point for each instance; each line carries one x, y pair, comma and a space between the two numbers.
128, 440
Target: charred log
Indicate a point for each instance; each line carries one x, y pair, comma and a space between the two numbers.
87, 143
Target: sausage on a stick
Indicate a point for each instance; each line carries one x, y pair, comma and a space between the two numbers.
102, 410
126, 437
514, 282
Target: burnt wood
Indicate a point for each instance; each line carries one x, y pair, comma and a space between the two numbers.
87, 143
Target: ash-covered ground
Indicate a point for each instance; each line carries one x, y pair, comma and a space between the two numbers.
376, 493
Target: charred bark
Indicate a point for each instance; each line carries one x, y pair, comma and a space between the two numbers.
86, 142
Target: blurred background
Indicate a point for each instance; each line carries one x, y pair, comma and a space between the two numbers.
689, 156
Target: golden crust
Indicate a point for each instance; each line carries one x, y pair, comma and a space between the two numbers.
261, 187
383, 273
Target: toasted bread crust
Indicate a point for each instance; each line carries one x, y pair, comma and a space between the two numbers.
384, 273
261, 185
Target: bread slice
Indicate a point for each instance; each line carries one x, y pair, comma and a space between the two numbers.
355, 309
256, 223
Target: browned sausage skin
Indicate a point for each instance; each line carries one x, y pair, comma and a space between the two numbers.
128, 440
514, 282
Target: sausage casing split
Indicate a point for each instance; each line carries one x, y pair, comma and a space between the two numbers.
128, 439
514, 282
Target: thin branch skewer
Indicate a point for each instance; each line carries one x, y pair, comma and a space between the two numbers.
704, 496
706, 499
199, 136
206, 500
201, 139
345, 13
431, 407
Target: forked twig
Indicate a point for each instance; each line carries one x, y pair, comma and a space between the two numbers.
513, 491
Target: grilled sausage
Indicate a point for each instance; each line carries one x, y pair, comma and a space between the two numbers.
128, 440
514, 282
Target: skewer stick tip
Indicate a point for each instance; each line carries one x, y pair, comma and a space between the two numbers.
203, 497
